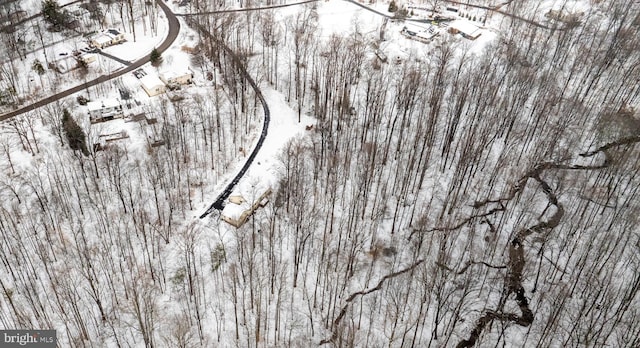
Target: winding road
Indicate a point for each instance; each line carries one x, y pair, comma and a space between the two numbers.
218, 204
174, 29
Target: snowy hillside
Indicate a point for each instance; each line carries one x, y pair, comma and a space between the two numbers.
393, 174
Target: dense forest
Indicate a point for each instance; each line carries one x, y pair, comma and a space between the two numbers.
452, 200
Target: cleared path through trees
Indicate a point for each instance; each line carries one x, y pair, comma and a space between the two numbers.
218, 204
369, 8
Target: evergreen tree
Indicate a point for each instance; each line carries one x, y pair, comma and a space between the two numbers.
393, 7
155, 58
75, 134
53, 14
37, 67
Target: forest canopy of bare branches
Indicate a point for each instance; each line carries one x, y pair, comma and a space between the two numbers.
452, 200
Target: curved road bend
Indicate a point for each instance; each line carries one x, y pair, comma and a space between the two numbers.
174, 29
219, 202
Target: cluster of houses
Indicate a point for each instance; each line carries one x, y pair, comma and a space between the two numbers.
426, 33
65, 62
109, 109
439, 19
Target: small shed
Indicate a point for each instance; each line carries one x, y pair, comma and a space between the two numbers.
152, 85
380, 54
87, 58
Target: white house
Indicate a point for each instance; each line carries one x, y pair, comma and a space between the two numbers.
100, 40
466, 28
420, 33
177, 77
238, 211
152, 85
104, 110
106, 38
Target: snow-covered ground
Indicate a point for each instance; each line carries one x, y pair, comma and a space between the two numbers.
392, 161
